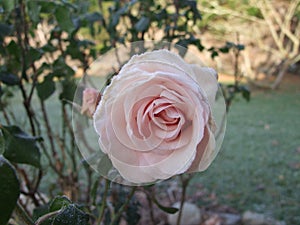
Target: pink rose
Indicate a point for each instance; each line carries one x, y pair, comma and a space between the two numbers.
90, 99
154, 120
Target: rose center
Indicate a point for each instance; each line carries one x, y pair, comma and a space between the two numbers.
164, 119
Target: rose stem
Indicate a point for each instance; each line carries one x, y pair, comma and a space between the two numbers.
123, 207
185, 182
103, 202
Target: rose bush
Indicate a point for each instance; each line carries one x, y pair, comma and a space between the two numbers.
154, 120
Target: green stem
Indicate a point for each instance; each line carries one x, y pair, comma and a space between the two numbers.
123, 207
185, 182
22, 215
103, 202
46, 216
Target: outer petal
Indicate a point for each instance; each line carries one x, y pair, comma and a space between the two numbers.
205, 152
207, 79
161, 56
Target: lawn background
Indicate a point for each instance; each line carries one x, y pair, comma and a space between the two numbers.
258, 167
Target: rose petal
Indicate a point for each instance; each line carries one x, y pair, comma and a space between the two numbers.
207, 79
154, 120
205, 152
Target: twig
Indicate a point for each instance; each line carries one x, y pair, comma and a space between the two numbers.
49, 131
21, 214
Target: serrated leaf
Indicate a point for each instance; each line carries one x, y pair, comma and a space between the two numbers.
20, 147
46, 88
10, 190
9, 78
170, 210
71, 215
59, 202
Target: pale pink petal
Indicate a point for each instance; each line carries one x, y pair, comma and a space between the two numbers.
90, 99
207, 79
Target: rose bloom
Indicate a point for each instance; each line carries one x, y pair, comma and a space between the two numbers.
90, 99
154, 120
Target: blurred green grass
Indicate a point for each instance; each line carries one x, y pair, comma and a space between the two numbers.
258, 167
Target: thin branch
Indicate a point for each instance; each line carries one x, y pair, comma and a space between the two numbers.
284, 27
21, 214
49, 131
271, 27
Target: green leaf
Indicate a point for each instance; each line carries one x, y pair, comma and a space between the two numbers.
142, 24
170, 210
2, 143
48, 7
58, 203
245, 93
8, 5
63, 17
71, 215
34, 11
40, 211
224, 49
240, 47
20, 147
10, 190
46, 88
35, 54
68, 90
254, 11
14, 49
61, 69
214, 54
93, 17
9, 79
48, 48
5, 29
